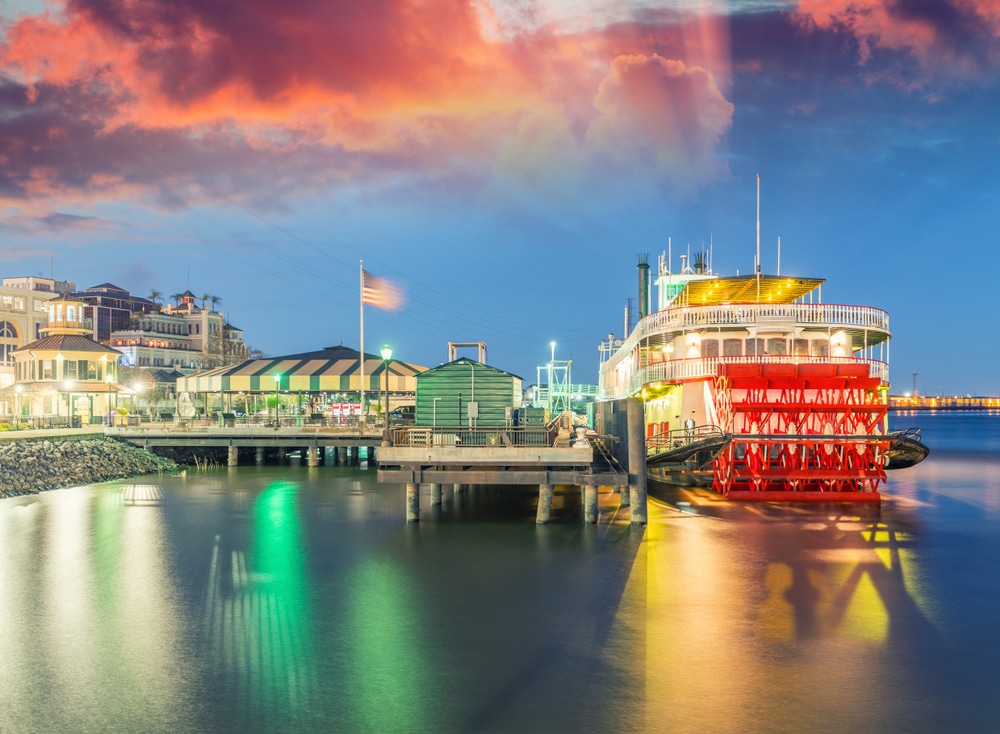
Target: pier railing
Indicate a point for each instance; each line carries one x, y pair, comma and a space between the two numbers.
480, 436
677, 370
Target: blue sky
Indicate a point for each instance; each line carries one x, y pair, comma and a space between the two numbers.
505, 164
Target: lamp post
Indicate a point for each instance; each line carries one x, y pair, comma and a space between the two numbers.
68, 385
17, 393
111, 411
277, 384
386, 359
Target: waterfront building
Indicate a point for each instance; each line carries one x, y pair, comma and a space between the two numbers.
326, 381
111, 308
23, 313
465, 392
181, 336
65, 376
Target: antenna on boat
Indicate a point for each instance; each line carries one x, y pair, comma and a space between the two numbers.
779, 255
757, 261
711, 244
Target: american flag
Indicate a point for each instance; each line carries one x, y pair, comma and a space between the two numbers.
380, 292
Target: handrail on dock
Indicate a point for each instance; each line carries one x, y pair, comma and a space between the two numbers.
478, 436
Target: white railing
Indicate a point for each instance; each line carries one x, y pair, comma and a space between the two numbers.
706, 367
681, 319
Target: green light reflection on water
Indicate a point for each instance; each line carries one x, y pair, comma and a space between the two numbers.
388, 666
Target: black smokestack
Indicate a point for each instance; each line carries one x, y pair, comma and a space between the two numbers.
643, 285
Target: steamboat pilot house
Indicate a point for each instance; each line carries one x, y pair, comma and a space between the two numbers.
797, 386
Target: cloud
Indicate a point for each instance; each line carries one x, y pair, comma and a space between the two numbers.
957, 39
175, 102
662, 116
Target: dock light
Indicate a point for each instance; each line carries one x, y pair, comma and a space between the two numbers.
277, 384
386, 352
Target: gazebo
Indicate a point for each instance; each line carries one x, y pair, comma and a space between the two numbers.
326, 381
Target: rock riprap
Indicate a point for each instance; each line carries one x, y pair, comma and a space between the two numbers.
29, 467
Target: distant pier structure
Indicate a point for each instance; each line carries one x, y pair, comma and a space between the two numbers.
946, 402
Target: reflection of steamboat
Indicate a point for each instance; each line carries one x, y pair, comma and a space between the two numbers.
751, 384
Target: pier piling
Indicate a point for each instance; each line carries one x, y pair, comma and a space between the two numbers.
544, 512
637, 460
412, 502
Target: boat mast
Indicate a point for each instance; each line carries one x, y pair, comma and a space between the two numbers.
757, 260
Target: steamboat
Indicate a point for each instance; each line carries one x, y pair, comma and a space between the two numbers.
753, 386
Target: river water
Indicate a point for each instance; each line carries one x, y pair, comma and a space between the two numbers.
272, 599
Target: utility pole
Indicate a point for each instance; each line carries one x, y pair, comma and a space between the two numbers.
915, 383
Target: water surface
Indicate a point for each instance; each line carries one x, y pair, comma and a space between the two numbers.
295, 599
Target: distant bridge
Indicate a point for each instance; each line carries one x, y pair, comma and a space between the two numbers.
947, 402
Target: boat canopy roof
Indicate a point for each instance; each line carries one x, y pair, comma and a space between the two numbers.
743, 289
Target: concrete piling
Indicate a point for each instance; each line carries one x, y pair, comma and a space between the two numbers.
637, 460
412, 502
435, 494
233, 456
544, 513
259, 456
313, 456
625, 495
590, 504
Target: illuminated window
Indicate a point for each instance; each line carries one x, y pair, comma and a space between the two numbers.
777, 346
709, 347
800, 347
819, 347
8, 342
755, 347
732, 347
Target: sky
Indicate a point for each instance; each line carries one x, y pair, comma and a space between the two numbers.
506, 162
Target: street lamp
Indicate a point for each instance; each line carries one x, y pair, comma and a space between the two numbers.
18, 389
386, 359
277, 384
109, 378
68, 385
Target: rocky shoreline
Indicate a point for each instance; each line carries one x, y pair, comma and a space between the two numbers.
36, 465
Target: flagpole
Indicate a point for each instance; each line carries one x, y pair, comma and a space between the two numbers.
361, 299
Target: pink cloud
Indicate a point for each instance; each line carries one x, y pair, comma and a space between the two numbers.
951, 38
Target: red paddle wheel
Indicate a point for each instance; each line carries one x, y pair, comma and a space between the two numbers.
800, 432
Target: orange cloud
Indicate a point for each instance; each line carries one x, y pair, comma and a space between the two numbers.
151, 95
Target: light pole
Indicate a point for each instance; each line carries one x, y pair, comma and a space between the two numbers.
111, 411
386, 359
277, 384
68, 384
17, 392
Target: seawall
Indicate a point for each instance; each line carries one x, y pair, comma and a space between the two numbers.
34, 465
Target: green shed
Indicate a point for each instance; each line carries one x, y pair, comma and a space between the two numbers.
444, 394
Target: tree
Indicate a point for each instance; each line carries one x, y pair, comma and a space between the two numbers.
215, 301
176, 297
155, 296
204, 299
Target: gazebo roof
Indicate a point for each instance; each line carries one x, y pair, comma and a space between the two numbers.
67, 343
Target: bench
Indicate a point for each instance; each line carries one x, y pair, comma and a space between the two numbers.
164, 417
227, 420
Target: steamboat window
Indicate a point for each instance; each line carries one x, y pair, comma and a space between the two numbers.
777, 346
732, 347
800, 347
819, 347
709, 347
754, 347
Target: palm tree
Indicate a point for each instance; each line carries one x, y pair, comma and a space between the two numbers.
155, 295
215, 301
177, 298
204, 298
